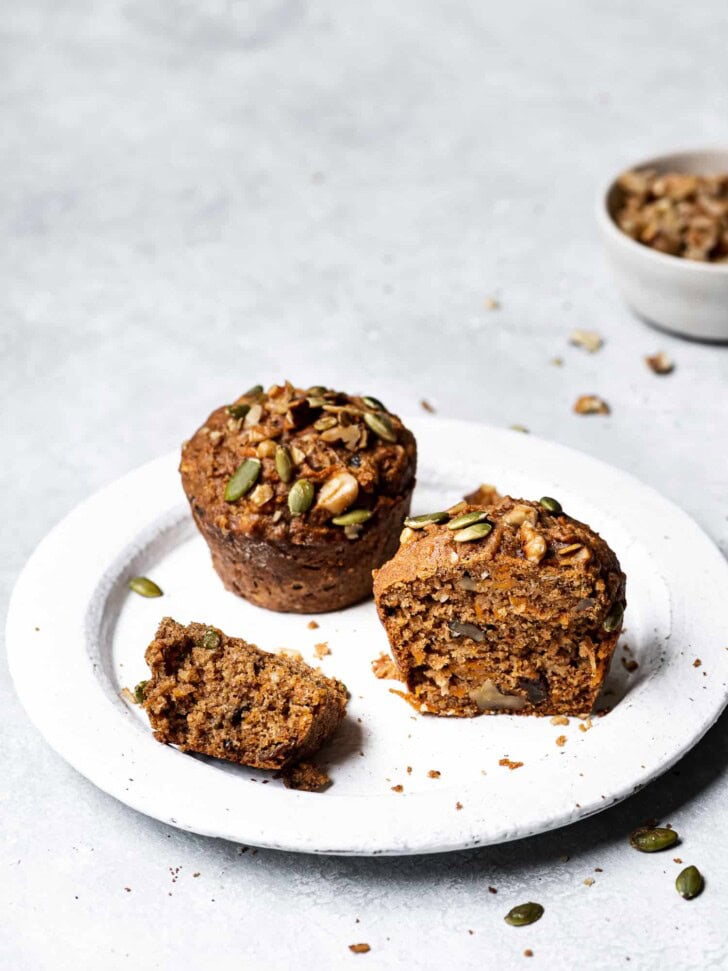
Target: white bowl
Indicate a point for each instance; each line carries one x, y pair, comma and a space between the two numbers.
683, 296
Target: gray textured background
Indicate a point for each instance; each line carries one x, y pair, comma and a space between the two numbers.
197, 196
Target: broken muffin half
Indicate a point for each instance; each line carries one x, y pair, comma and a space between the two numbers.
510, 607
223, 697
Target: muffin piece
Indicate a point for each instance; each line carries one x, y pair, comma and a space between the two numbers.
512, 607
221, 696
300, 494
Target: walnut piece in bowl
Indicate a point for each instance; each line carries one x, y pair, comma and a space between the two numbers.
664, 223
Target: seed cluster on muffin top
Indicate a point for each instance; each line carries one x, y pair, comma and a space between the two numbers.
286, 460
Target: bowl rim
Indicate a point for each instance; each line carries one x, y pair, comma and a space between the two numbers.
610, 227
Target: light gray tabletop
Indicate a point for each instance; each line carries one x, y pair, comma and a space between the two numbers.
198, 195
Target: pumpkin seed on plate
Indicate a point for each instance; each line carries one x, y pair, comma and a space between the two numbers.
284, 463
467, 519
653, 840
419, 522
300, 497
476, 531
689, 882
524, 914
380, 425
145, 587
551, 505
353, 518
613, 620
242, 480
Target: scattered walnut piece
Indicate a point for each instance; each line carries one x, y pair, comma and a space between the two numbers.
591, 404
485, 495
433, 774
697, 662
559, 720
586, 725
458, 805
533, 543
561, 741
510, 764
398, 788
660, 363
590, 340
630, 664
426, 406
385, 669
312, 625
490, 303
359, 948
305, 777
321, 650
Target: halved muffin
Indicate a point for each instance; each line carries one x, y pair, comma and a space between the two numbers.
509, 607
300, 494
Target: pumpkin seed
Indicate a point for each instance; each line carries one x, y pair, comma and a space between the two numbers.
300, 498
318, 390
243, 480
323, 424
467, 519
689, 882
139, 697
284, 463
239, 410
476, 531
419, 522
524, 914
316, 401
254, 391
653, 840
145, 587
551, 505
613, 620
372, 402
211, 640
380, 425
353, 518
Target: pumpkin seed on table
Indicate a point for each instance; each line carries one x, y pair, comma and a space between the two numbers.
551, 505
284, 463
380, 425
467, 519
653, 840
613, 620
372, 402
353, 518
689, 882
476, 531
145, 587
242, 480
524, 914
300, 497
419, 522
239, 410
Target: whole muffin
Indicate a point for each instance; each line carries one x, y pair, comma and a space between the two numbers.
300, 494
508, 607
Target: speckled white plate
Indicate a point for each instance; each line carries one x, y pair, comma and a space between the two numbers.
76, 637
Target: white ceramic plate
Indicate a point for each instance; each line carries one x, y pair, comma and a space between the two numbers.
76, 637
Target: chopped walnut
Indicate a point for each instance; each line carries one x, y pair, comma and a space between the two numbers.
519, 515
312, 625
262, 494
590, 340
559, 720
338, 493
561, 741
660, 363
591, 404
385, 669
533, 543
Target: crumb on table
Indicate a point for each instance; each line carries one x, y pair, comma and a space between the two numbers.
322, 649
509, 763
359, 948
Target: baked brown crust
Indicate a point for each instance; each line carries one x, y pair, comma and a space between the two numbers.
514, 621
220, 696
261, 549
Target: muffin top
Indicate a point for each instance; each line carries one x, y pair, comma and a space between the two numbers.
287, 464
513, 540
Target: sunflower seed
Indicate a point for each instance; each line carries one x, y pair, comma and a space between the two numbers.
211, 640
419, 522
284, 463
467, 519
242, 480
551, 505
145, 587
374, 403
139, 695
476, 531
524, 914
239, 410
648, 840
689, 882
613, 620
353, 518
380, 425
300, 498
